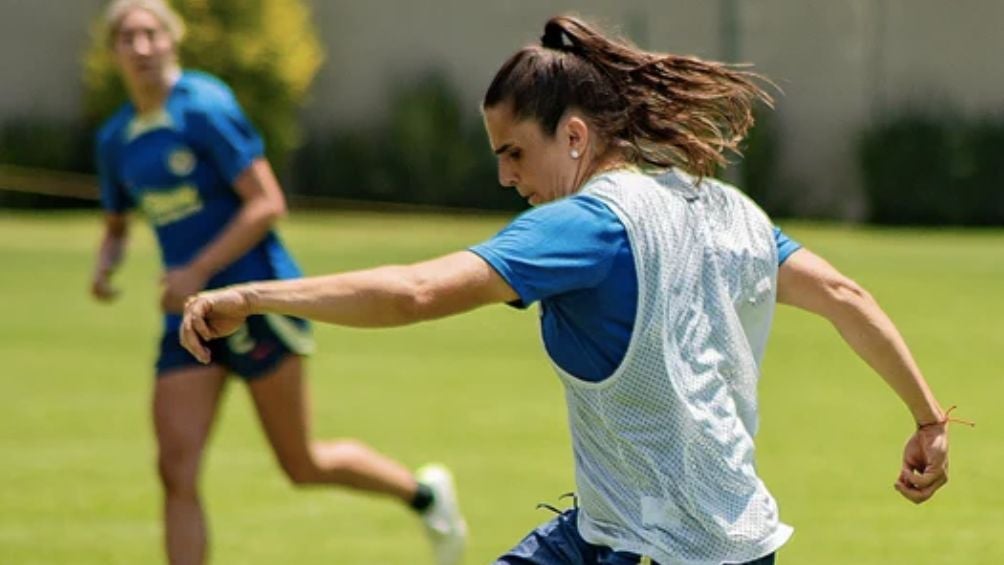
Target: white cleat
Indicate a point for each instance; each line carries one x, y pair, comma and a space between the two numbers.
444, 524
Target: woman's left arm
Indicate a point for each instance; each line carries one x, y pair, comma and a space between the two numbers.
808, 282
262, 205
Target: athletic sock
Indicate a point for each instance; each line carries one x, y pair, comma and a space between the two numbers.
423, 498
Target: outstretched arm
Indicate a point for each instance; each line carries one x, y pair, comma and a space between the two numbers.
381, 297
808, 282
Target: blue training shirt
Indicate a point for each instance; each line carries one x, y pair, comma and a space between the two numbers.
574, 256
178, 165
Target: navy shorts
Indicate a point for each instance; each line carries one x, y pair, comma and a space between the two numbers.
558, 543
253, 351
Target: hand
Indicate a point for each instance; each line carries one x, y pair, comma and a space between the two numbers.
925, 463
212, 315
177, 285
102, 289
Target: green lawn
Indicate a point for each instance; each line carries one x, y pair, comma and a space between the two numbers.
76, 457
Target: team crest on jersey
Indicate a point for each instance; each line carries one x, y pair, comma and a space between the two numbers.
181, 161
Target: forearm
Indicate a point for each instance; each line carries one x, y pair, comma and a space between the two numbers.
874, 337
808, 282
113, 243
385, 296
262, 205
245, 230
110, 254
381, 297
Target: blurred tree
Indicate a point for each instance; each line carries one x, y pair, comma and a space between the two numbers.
266, 50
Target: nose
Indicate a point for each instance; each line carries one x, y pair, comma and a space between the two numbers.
507, 176
141, 45
138, 44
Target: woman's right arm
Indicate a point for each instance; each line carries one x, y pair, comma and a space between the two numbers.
110, 255
388, 296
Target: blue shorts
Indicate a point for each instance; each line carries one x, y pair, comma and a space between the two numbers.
558, 543
252, 351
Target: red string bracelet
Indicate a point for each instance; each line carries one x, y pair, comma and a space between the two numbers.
947, 419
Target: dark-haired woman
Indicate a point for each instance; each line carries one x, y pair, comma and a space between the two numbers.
656, 285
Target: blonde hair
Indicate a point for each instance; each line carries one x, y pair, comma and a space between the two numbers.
170, 19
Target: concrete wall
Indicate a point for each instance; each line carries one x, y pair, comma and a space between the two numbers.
367, 52
844, 64
42, 44
840, 63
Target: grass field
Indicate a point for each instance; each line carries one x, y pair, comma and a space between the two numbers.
76, 456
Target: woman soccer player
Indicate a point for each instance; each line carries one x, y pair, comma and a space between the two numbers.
183, 151
657, 287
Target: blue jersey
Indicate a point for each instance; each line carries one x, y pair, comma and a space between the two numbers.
178, 165
574, 256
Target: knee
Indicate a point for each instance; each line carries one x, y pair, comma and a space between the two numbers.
344, 458
342, 454
324, 462
300, 466
301, 471
178, 474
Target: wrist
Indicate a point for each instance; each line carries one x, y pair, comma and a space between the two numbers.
201, 270
251, 298
942, 421
928, 414
931, 424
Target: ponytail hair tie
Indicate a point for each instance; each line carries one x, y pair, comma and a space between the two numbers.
555, 37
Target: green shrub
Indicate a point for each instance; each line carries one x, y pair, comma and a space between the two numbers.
427, 152
44, 145
981, 188
759, 174
266, 50
934, 169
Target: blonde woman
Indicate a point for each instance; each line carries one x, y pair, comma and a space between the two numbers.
183, 152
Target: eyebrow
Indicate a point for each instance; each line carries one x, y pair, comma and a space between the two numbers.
503, 148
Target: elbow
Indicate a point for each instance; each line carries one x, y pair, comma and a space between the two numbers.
415, 299
846, 297
276, 215
277, 209
272, 211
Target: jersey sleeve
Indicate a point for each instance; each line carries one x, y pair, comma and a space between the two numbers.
785, 245
557, 248
114, 197
227, 136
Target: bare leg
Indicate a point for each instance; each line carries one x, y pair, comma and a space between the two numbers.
281, 400
184, 408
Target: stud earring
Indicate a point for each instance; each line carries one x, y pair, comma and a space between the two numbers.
575, 153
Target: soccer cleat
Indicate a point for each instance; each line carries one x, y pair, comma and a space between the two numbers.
444, 524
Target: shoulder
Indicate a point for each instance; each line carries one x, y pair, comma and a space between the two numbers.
578, 220
202, 94
573, 209
111, 129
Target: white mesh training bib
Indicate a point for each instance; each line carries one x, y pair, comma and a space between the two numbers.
664, 455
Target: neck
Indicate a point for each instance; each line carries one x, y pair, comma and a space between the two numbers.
609, 161
150, 96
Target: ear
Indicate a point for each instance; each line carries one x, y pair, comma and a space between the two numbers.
576, 133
